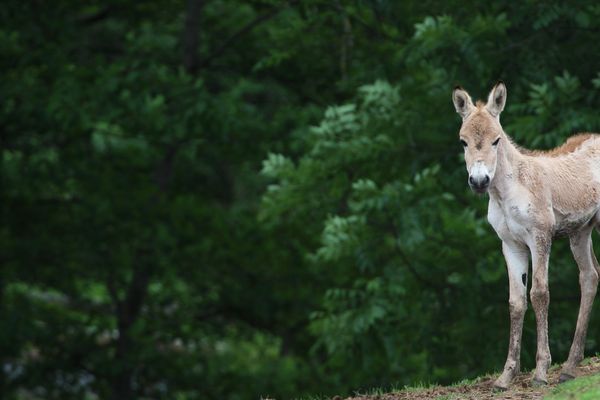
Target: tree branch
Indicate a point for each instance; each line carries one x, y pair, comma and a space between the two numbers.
243, 31
99, 15
433, 285
191, 60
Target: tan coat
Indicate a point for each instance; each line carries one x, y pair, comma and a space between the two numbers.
534, 197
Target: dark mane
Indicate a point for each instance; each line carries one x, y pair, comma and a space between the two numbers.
572, 144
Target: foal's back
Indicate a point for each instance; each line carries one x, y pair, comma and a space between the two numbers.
571, 173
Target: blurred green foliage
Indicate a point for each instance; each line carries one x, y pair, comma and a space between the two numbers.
218, 199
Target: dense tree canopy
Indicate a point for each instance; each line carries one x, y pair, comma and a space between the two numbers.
211, 199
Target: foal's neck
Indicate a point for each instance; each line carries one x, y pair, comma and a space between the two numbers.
509, 158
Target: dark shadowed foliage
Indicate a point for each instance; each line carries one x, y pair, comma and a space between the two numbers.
212, 199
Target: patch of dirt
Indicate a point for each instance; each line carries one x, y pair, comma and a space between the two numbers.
521, 388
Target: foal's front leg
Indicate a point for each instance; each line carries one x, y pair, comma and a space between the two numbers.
517, 261
540, 299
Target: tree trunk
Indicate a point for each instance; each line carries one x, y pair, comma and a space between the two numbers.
128, 311
191, 60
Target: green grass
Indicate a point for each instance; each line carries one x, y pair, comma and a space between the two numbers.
585, 388
472, 381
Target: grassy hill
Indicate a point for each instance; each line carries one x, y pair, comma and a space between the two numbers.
585, 387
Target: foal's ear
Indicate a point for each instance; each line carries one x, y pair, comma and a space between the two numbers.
496, 99
462, 102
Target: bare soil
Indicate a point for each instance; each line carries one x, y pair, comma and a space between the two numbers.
482, 389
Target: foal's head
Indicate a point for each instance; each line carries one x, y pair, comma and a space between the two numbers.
480, 134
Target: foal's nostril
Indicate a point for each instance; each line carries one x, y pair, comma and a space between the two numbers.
479, 182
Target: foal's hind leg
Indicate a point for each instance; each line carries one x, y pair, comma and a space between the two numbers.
581, 246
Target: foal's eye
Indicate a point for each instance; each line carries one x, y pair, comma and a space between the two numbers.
496, 142
463, 143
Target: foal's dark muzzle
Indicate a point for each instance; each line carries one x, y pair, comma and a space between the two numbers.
479, 184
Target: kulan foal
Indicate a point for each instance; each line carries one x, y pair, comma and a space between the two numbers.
533, 197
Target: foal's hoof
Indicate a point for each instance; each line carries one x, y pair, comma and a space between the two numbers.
497, 388
501, 384
535, 382
565, 377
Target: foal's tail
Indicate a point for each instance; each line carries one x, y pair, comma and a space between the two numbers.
593, 256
